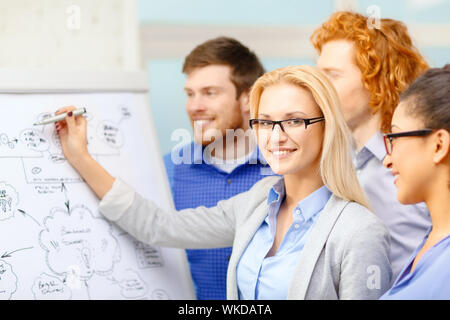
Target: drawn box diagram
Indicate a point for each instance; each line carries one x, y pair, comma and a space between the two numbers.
37, 171
148, 256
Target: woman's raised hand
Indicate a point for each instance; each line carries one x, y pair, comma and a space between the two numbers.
72, 134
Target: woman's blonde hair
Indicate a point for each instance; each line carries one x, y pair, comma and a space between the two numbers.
336, 166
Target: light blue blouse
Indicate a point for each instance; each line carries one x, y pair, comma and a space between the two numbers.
259, 277
430, 279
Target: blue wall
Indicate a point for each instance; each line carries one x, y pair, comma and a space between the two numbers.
234, 12
282, 12
411, 11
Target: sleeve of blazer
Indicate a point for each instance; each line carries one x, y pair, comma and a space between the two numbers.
190, 228
366, 272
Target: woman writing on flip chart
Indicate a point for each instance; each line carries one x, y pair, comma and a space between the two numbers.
305, 235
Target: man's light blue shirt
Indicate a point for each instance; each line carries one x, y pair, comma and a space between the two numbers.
430, 279
407, 224
263, 278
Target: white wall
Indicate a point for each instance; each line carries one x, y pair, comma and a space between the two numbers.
69, 35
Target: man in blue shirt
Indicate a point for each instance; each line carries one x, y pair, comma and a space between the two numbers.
223, 161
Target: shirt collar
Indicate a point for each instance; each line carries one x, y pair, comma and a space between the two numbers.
373, 147
309, 206
376, 146
276, 192
314, 203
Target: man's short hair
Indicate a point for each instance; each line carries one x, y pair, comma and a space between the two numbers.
245, 65
388, 60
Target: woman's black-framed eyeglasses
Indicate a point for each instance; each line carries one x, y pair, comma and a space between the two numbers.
389, 137
263, 124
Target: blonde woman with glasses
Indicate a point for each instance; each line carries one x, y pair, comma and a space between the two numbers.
305, 234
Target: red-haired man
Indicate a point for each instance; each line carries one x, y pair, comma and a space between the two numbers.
370, 67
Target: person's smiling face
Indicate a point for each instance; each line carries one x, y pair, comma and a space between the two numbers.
211, 102
411, 157
297, 150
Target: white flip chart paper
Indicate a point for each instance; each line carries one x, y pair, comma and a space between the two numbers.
54, 243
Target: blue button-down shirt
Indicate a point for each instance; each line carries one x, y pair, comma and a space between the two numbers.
407, 224
261, 277
195, 183
430, 278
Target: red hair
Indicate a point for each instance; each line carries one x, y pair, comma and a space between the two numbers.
388, 60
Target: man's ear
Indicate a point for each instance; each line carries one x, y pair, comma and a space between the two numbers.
441, 145
244, 99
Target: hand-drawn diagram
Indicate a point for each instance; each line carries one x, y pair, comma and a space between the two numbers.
39, 146
4, 140
79, 245
131, 285
77, 238
34, 140
160, 294
148, 256
8, 201
8, 280
110, 134
55, 244
48, 287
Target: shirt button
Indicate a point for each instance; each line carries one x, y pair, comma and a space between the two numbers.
297, 212
296, 226
229, 181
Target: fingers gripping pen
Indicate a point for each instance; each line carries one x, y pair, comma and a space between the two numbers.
62, 116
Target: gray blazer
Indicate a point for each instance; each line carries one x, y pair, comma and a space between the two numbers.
346, 255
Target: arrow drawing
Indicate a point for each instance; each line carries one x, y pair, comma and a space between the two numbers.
87, 290
67, 202
8, 254
63, 188
27, 215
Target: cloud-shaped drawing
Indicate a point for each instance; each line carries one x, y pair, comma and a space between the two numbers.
8, 281
8, 201
48, 287
78, 239
131, 285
